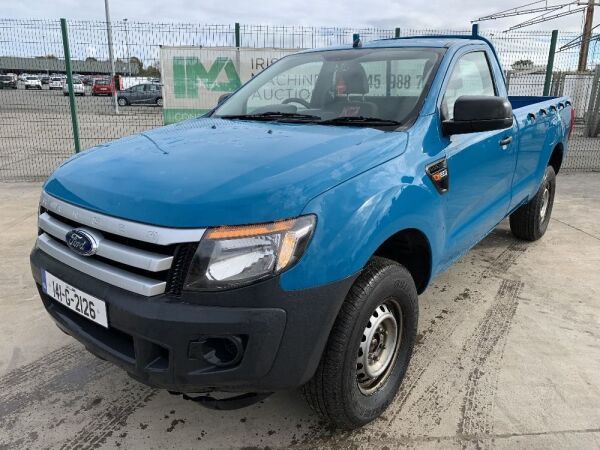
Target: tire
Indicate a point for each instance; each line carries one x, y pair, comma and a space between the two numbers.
159, 101
530, 221
122, 101
335, 391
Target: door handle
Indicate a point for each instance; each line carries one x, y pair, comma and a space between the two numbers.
505, 141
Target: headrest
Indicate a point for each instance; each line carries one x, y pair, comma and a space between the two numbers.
351, 78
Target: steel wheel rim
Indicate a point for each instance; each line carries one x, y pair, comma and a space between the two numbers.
379, 347
545, 202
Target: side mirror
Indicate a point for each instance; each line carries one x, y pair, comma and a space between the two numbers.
474, 113
223, 97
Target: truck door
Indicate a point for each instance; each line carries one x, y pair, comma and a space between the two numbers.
480, 164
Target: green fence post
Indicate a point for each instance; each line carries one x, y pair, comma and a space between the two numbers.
237, 34
72, 105
550, 65
397, 33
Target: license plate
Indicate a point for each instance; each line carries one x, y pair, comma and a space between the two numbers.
91, 308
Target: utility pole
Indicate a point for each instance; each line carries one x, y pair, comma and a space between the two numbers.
110, 53
586, 36
127, 45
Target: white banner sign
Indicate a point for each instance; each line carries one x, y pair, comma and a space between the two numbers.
195, 77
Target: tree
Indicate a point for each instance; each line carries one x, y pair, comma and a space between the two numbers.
136, 65
151, 71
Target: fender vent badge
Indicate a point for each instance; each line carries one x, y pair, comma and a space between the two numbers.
438, 174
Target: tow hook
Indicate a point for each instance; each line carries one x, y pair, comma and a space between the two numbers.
225, 404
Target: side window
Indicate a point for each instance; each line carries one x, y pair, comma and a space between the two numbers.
471, 76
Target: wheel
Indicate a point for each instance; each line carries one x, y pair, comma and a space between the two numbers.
530, 221
369, 347
122, 102
159, 101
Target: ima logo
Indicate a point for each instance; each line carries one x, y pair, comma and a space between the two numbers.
189, 71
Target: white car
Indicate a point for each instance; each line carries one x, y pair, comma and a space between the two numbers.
33, 83
78, 87
55, 83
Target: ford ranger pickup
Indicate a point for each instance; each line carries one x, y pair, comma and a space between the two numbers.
281, 240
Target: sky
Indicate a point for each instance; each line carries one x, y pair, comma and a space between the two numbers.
452, 14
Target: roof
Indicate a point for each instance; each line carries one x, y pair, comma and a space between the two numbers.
415, 41
15, 63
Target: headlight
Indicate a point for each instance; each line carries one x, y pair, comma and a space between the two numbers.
229, 257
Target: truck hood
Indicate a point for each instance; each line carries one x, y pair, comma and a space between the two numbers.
208, 172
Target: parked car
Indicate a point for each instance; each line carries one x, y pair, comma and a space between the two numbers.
45, 79
281, 240
32, 82
103, 86
56, 83
78, 87
7, 82
141, 94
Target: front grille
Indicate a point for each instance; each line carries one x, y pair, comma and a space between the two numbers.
141, 258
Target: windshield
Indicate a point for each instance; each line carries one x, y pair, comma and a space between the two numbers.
364, 87
56, 79
32, 79
5, 78
102, 82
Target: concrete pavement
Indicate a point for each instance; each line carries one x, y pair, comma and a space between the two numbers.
508, 356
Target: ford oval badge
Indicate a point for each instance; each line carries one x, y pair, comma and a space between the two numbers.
81, 242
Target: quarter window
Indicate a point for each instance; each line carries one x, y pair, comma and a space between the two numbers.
471, 76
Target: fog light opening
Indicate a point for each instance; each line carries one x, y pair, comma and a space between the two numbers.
222, 351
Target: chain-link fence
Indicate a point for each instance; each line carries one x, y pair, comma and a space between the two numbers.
36, 133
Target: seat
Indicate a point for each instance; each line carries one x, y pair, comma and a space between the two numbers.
351, 80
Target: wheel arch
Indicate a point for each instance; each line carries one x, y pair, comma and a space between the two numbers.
411, 248
556, 158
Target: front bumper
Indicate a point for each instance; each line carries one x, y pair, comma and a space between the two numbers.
155, 339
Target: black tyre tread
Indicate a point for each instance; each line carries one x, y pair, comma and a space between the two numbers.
318, 391
524, 222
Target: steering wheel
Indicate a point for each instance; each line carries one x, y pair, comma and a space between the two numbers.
296, 100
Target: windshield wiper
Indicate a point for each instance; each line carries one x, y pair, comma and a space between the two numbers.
359, 120
271, 115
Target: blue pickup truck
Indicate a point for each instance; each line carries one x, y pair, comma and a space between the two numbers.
281, 240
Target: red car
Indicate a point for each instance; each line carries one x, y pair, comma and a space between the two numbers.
103, 86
